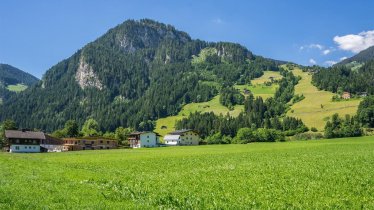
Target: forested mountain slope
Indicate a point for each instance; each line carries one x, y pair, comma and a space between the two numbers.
134, 74
12, 76
361, 57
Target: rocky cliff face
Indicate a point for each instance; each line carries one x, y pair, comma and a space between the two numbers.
86, 76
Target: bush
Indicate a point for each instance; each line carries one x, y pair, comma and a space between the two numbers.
248, 135
313, 129
217, 138
308, 136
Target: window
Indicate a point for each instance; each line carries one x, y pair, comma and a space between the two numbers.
29, 147
107, 142
17, 147
34, 142
17, 141
148, 141
101, 142
147, 136
25, 147
33, 147
92, 142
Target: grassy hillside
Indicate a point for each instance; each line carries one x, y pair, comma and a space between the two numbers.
310, 109
324, 174
210, 106
266, 77
17, 88
258, 89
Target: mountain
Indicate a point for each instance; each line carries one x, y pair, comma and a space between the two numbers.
12, 76
134, 74
361, 57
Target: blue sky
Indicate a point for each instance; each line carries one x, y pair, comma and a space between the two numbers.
35, 35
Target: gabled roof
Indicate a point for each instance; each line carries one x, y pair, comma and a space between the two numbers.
179, 132
171, 137
13, 134
142, 132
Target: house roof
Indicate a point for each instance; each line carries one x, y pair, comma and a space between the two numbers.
13, 134
142, 132
171, 137
178, 132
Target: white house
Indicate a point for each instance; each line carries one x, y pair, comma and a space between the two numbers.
24, 141
182, 138
143, 139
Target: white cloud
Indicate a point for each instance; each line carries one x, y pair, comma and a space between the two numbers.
316, 46
312, 46
312, 61
330, 63
343, 58
355, 42
218, 21
325, 52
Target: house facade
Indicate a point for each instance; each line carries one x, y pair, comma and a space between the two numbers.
143, 139
23, 141
51, 144
88, 143
346, 95
183, 137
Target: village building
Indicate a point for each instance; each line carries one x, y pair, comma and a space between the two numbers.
346, 95
88, 143
363, 94
182, 138
143, 139
51, 144
23, 141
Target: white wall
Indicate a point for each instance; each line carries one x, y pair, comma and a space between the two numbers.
148, 140
190, 138
171, 140
53, 148
24, 148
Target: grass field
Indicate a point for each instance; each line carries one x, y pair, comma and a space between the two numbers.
323, 174
17, 88
309, 109
210, 106
265, 77
261, 90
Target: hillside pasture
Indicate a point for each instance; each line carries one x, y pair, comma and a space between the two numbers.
318, 106
323, 174
266, 77
166, 125
17, 88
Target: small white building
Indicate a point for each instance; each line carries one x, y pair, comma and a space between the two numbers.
143, 139
23, 141
182, 138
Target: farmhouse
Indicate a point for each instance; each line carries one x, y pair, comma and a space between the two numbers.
346, 95
51, 144
88, 143
182, 137
143, 139
23, 141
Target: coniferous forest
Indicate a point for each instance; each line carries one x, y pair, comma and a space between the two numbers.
134, 74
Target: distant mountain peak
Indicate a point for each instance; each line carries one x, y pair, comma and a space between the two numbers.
361, 57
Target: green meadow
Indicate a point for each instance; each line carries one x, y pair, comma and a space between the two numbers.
318, 106
17, 88
258, 88
167, 124
320, 174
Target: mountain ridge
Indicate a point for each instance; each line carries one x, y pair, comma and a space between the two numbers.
132, 75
